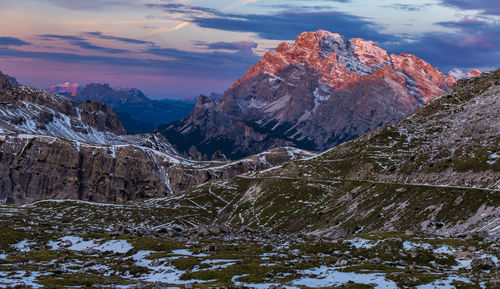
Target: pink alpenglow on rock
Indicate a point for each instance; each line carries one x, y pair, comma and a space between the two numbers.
315, 93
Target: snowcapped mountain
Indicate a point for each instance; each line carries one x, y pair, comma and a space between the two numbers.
67, 88
460, 74
318, 92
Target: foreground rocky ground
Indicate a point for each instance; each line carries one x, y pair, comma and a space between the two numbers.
62, 244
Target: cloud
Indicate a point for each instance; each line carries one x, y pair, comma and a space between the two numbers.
167, 29
491, 7
12, 41
242, 47
240, 3
115, 38
205, 61
188, 11
409, 7
284, 25
82, 43
475, 43
288, 25
293, 7
63, 37
222, 65
88, 4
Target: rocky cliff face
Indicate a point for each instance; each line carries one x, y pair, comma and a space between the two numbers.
30, 110
51, 147
4, 81
316, 93
7, 81
37, 167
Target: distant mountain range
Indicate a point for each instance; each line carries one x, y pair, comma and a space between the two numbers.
137, 112
314, 94
53, 148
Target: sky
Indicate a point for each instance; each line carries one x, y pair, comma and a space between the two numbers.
181, 48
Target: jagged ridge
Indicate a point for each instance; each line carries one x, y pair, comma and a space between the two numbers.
314, 94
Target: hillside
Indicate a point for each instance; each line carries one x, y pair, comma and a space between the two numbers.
437, 171
52, 148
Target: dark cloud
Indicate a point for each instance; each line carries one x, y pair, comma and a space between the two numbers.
57, 36
82, 43
475, 43
288, 25
87, 45
491, 7
177, 62
187, 10
284, 25
298, 7
12, 41
210, 61
409, 7
242, 47
318, 5
339, 1
115, 38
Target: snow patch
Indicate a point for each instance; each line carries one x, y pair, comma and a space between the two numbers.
78, 244
328, 276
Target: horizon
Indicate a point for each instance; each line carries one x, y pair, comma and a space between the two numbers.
178, 49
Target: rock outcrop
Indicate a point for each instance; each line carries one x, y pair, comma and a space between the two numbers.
51, 147
316, 93
41, 167
30, 110
4, 81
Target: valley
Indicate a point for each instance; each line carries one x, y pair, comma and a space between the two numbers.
330, 164
60, 244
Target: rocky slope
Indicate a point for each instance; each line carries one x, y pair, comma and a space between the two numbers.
52, 148
314, 94
30, 110
54, 244
137, 112
436, 171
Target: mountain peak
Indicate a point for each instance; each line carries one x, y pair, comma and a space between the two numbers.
204, 102
341, 63
314, 93
4, 81
312, 40
474, 73
7, 81
69, 88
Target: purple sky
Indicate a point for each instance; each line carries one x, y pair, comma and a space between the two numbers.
178, 48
